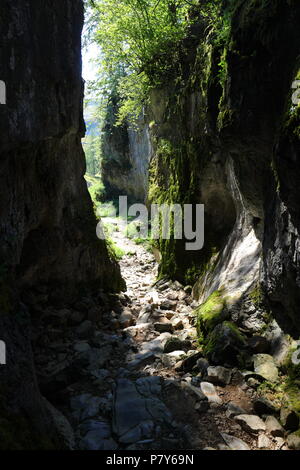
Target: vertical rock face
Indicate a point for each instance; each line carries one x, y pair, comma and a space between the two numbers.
47, 227
263, 140
126, 152
47, 224
237, 148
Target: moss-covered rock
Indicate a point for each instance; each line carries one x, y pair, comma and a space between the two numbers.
224, 343
211, 313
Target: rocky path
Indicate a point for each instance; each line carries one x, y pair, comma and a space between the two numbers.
128, 374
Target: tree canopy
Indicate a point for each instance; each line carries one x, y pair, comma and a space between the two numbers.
138, 40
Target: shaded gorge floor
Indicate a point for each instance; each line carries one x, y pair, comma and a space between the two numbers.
124, 371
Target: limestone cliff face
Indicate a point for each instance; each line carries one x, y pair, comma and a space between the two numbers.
47, 228
236, 150
47, 223
126, 151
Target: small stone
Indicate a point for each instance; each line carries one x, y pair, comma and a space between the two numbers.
234, 410
170, 359
209, 391
126, 318
195, 390
274, 427
293, 440
176, 344
237, 377
177, 324
82, 346
188, 289
85, 329
289, 419
190, 361
234, 443
202, 365
263, 442
166, 327
264, 365
280, 442
172, 296
219, 374
251, 423
168, 304
196, 381
263, 406
169, 314
152, 298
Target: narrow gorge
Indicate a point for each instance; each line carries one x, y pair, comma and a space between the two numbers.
128, 341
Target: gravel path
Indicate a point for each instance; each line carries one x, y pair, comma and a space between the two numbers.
131, 376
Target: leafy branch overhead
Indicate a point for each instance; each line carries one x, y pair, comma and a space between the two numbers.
139, 42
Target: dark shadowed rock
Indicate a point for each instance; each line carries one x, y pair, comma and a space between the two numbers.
263, 406
289, 419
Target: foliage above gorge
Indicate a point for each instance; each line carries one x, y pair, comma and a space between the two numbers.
139, 42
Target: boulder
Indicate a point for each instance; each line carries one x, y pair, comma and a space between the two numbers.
234, 410
177, 324
209, 391
265, 366
170, 359
202, 365
219, 374
263, 442
175, 344
168, 304
293, 440
189, 362
126, 318
165, 327
289, 419
274, 427
234, 443
251, 423
263, 406
199, 395
224, 344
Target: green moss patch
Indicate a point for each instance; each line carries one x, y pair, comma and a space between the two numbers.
211, 313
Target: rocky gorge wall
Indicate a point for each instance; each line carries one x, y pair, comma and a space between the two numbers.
126, 151
228, 137
49, 252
